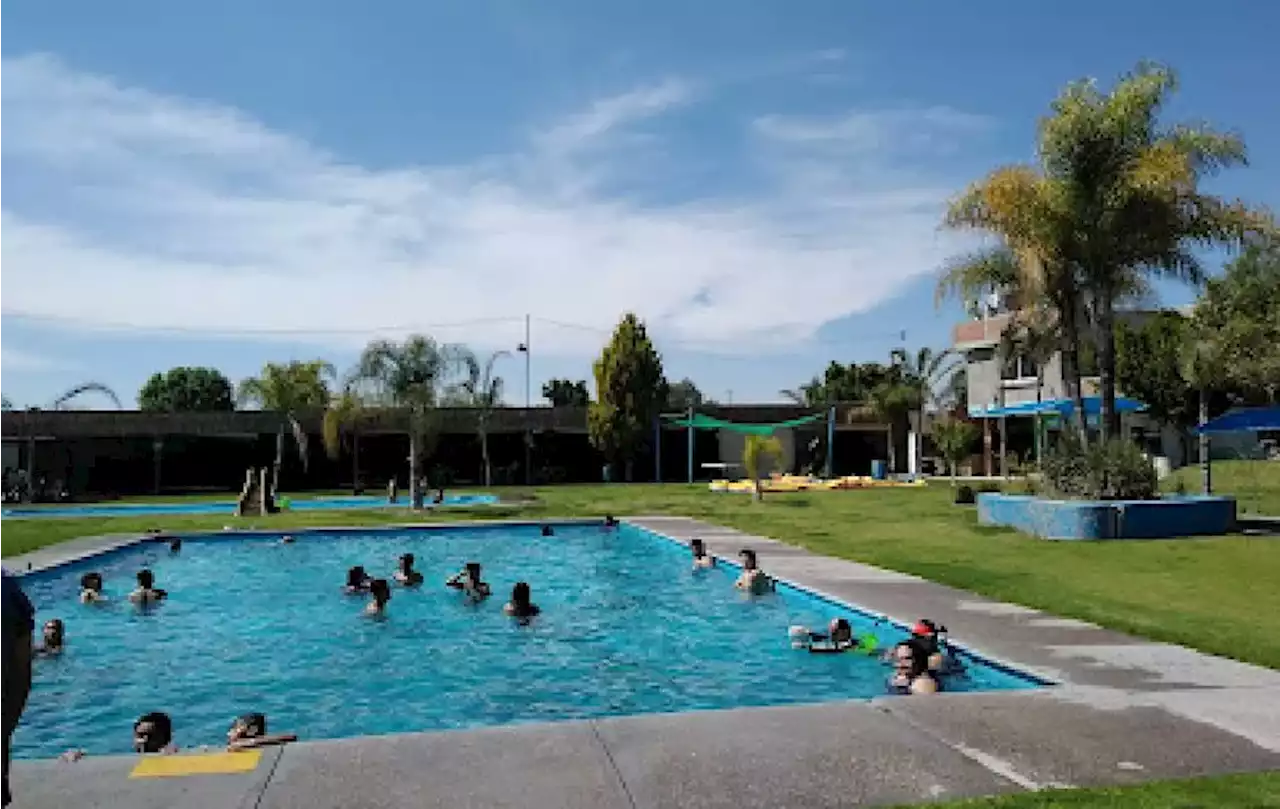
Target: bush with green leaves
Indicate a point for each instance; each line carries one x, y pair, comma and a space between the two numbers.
1110, 470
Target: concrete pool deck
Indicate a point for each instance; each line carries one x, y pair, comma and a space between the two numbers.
1125, 710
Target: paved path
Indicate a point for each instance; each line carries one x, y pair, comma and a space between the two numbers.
1126, 710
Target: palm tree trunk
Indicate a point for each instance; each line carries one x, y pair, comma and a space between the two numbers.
275, 466
1206, 477
1039, 418
415, 486
1108, 419
893, 455
1071, 368
484, 456
355, 462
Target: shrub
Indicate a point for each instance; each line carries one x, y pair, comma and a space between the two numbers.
1111, 470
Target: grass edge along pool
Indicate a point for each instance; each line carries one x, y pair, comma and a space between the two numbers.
641, 557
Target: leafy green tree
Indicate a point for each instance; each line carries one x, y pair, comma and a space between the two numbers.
757, 450
187, 389
1150, 366
631, 390
481, 390
954, 438
840, 383
290, 389
683, 395
565, 393
1132, 189
925, 374
413, 376
1239, 314
891, 401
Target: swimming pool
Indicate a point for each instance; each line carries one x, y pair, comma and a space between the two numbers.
229, 506
255, 625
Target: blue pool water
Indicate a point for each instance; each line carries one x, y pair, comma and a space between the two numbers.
229, 506
254, 625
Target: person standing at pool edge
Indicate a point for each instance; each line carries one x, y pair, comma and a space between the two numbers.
19, 626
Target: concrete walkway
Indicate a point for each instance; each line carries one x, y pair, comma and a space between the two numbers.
1126, 710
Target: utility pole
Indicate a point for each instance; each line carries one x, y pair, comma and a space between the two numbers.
523, 348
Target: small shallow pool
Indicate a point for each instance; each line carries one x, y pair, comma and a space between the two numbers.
229, 506
254, 625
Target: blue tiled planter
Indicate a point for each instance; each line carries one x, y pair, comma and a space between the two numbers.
1111, 519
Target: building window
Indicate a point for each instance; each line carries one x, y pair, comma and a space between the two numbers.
1018, 367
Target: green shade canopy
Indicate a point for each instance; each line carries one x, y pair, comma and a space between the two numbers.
700, 421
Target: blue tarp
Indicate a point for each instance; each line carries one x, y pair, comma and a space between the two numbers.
1063, 407
1247, 419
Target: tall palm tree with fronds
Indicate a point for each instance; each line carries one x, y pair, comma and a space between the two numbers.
925, 373
480, 390
413, 376
290, 389
342, 418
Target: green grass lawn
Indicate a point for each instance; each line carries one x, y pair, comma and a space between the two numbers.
1255, 484
1217, 594
1252, 791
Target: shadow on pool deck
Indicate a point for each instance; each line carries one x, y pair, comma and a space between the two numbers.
1127, 710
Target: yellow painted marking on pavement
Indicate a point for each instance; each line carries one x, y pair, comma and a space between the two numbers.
196, 764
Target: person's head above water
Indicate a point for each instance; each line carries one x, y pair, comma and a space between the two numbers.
406, 562
175, 545
473, 571
91, 581
548, 531
54, 631
748, 558
840, 630
380, 590
520, 594
146, 579
248, 726
356, 577
698, 548
908, 658
152, 733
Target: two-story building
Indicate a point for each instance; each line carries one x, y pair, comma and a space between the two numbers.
1003, 389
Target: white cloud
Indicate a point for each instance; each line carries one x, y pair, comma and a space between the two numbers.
875, 130
22, 361
162, 212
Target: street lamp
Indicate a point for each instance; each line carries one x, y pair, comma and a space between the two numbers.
523, 348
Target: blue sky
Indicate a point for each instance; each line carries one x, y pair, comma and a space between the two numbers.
231, 183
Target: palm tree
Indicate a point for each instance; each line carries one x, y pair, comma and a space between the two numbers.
1131, 190
411, 375
345, 412
892, 400
290, 389
1035, 261
756, 451
83, 388
6, 403
482, 391
926, 373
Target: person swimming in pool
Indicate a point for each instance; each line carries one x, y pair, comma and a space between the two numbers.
469, 582
153, 733
175, 544
250, 731
911, 673
381, 592
838, 638
931, 640
91, 589
521, 606
701, 559
146, 592
548, 531
357, 581
405, 575
54, 638
752, 580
